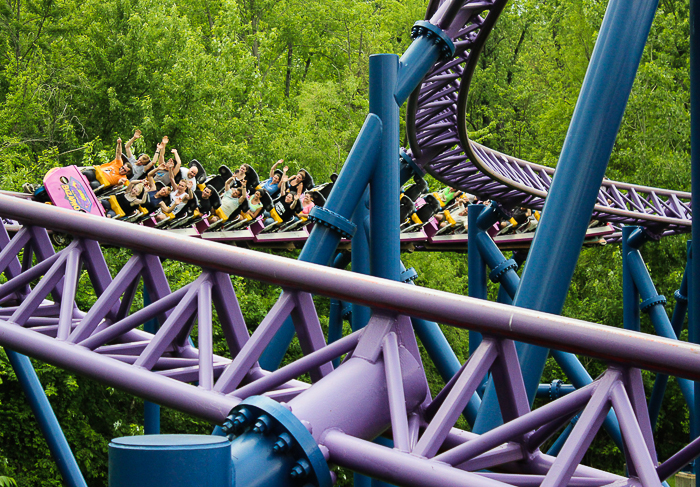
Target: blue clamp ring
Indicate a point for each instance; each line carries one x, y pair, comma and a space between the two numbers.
408, 275
408, 160
324, 216
425, 28
298, 447
554, 389
679, 296
647, 304
501, 269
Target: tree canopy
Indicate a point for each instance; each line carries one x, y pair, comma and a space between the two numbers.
252, 81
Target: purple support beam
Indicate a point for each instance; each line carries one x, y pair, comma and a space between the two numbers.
397, 398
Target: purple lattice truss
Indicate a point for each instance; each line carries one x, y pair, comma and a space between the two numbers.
439, 142
380, 385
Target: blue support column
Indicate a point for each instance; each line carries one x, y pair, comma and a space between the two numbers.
653, 303
335, 315
630, 295
39, 403
384, 242
681, 295
694, 293
476, 268
151, 410
582, 164
360, 258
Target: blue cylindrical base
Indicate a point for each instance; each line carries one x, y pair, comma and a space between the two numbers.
170, 460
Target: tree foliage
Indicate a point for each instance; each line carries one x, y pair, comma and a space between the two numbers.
252, 81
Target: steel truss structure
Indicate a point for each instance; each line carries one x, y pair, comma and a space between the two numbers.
371, 384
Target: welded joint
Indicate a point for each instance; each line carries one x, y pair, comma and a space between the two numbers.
334, 221
646, 305
641, 236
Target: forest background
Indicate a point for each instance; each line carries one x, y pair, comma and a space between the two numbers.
252, 81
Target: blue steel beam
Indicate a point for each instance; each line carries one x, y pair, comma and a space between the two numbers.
384, 242
694, 294
510, 282
582, 164
151, 410
39, 403
324, 238
477, 268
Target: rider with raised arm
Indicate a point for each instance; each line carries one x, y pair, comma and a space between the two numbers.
143, 164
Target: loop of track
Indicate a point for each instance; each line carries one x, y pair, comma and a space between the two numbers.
439, 142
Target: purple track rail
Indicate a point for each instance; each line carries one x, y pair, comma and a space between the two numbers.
439, 142
389, 388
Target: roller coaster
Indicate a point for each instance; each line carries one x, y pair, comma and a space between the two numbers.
367, 406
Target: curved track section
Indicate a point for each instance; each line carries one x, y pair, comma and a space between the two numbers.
440, 144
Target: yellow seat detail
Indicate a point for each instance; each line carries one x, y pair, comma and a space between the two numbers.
115, 206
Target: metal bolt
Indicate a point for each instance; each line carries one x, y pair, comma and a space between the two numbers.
236, 421
283, 443
227, 427
300, 470
262, 425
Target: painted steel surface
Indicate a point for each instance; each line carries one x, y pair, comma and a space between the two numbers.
382, 385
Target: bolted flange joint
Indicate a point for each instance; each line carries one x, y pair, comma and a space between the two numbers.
327, 218
300, 470
272, 428
438, 36
498, 271
283, 443
647, 304
555, 388
679, 296
409, 275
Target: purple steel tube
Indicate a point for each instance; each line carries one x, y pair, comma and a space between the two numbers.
343, 401
70, 284
551, 331
393, 466
205, 338
299, 367
397, 398
236, 371
644, 464
679, 460
140, 382
485, 442
134, 320
583, 433
109, 297
455, 402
